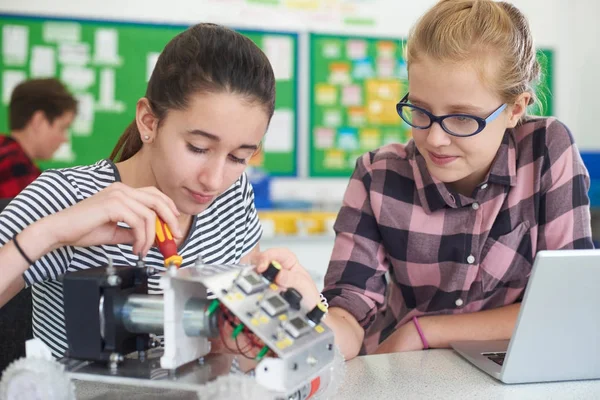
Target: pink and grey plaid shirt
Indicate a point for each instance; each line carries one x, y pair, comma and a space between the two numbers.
447, 253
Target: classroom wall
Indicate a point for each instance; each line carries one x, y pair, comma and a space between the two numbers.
568, 27
563, 26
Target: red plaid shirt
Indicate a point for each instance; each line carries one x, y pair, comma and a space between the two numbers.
446, 253
16, 168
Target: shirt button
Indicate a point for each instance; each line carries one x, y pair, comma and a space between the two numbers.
471, 259
459, 302
484, 186
475, 206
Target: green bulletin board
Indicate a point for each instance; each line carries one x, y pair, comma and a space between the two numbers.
355, 85
106, 65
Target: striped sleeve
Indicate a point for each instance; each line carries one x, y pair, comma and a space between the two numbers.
48, 194
564, 219
253, 231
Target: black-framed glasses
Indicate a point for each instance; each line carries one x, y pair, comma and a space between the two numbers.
461, 125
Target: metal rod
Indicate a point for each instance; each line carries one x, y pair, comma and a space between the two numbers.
143, 313
198, 321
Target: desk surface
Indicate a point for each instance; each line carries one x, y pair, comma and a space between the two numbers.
428, 374
416, 375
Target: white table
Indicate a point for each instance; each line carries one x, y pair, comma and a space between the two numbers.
417, 375
443, 374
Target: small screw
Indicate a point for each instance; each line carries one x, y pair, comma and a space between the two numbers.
329, 347
311, 361
113, 280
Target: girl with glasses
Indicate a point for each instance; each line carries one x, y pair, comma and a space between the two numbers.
436, 237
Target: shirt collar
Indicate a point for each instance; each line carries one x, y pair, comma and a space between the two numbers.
434, 195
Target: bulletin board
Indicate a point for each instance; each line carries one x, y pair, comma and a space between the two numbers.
355, 85
106, 64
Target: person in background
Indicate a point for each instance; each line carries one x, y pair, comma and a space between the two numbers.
455, 216
40, 113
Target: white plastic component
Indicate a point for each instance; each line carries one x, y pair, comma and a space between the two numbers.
36, 348
231, 387
180, 349
36, 379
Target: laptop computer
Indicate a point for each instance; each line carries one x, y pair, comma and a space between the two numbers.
557, 335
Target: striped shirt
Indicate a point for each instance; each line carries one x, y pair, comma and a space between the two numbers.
222, 234
446, 253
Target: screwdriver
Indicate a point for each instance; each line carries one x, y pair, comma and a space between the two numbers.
166, 244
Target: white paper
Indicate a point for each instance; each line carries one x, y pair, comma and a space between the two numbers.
324, 138
279, 52
351, 95
10, 79
332, 118
106, 46
43, 62
74, 53
151, 60
78, 79
64, 153
339, 77
356, 49
84, 121
331, 50
61, 32
107, 88
106, 100
15, 40
280, 135
386, 67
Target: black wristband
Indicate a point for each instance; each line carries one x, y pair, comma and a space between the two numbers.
21, 251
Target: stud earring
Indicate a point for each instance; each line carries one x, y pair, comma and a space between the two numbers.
146, 137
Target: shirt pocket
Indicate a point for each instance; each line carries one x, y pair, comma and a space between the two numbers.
506, 260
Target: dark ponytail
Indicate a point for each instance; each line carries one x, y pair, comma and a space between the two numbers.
204, 58
129, 143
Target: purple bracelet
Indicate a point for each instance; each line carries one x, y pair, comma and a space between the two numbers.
416, 322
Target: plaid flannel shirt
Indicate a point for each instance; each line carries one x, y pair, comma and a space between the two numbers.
16, 168
406, 245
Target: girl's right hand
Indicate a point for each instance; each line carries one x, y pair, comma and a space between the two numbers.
93, 221
292, 274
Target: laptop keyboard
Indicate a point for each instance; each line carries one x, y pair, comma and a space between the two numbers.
498, 358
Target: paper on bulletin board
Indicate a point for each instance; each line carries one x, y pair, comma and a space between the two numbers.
43, 62
78, 78
84, 121
279, 51
280, 135
324, 138
106, 47
356, 49
382, 96
10, 79
61, 32
326, 95
74, 53
15, 44
107, 101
